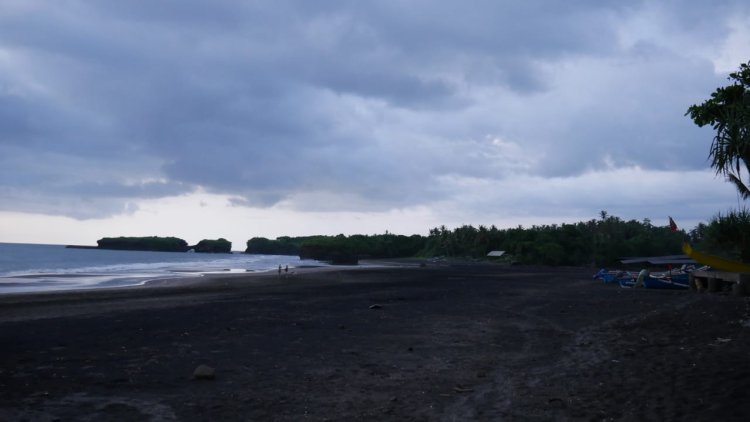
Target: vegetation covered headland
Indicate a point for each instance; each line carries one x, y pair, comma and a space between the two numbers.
163, 244
220, 245
596, 242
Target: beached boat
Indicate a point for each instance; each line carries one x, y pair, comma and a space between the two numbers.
611, 276
679, 281
676, 280
673, 279
626, 282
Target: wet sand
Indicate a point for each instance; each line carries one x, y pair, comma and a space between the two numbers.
448, 342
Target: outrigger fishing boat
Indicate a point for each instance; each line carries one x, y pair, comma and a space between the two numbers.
673, 279
669, 280
611, 276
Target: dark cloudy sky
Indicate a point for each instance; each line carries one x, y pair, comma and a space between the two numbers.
244, 118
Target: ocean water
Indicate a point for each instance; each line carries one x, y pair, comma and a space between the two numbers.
32, 268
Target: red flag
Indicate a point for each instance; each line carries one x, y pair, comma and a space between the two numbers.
672, 225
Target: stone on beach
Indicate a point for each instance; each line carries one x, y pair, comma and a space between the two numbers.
204, 372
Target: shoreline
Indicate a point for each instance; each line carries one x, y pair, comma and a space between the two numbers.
176, 277
39, 304
111, 281
30, 268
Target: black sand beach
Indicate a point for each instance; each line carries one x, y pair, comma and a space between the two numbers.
453, 342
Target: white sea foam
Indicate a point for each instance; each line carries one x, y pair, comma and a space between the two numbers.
28, 268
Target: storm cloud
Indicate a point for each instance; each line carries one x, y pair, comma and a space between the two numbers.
348, 106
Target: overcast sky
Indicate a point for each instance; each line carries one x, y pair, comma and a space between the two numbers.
225, 118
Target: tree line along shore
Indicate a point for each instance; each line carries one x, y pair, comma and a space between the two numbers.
597, 242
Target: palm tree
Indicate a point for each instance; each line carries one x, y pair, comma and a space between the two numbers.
728, 112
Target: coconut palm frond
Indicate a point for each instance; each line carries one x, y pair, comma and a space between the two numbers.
740, 185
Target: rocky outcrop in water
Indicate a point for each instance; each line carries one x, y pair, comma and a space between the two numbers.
220, 245
149, 243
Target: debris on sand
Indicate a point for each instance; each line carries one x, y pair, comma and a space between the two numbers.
204, 372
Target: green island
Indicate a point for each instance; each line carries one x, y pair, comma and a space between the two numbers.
163, 244
148, 243
220, 245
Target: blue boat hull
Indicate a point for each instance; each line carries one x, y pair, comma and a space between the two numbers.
626, 282
611, 276
675, 282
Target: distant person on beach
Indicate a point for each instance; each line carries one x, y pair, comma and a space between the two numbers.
279, 269
286, 269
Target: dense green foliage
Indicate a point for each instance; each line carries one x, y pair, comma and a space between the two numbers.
595, 242
220, 245
150, 243
728, 112
599, 242
340, 249
280, 246
725, 235
337, 250
387, 245
347, 250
